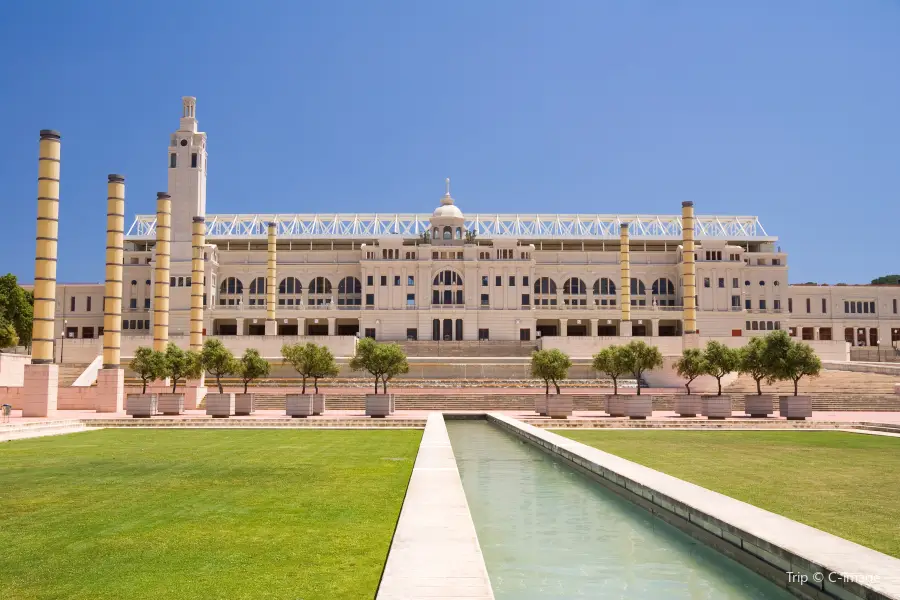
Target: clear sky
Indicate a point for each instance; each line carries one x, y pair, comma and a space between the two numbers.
789, 110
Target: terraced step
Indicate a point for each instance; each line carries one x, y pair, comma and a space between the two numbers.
21, 431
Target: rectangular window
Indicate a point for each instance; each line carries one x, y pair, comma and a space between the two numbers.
171, 282
736, 301
124, 324
512, 281
498, 280
853, 308
370, 299
747, 304
895, 306
410, 299
721, 282
734, 282
88, 306
147, 302
193, 160
485, 300
140, 324
871, 307
370, 332
525, 283
132, 303
410, 280
132, 324
72, 304
706, 282
384, 280
762, 305
396, 280
866, 307
748, 326
412, 334
526, 299
808, 303
524, 335
776, 304
790, 305
370, 280
187, 281
172, 162
846, 307
484, 281
484, 335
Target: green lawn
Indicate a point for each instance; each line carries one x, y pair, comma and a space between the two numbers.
844, 483
130, 514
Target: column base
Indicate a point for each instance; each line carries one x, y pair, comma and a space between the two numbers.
625, 329
271, 327
40, 390
690, 340
110, 393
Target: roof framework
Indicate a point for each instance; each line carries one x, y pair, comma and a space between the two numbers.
487, 226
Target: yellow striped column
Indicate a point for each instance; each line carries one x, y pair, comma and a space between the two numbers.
688, 268
198, 241
42, 331
271, 270
161, 274
625, 279
115, 257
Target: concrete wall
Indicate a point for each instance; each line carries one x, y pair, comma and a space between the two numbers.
12, 369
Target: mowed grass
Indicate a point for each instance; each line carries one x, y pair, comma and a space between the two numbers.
843, 483
201, 514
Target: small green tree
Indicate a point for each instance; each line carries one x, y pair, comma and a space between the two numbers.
217, 360
148, 364
393, 362
790, 360
690, 366
323, 365
640, 357
551, 366
367, 358
17, 309
300, 356
251, 366
8, 336
720, 361
178, 364
752, 362
609, 361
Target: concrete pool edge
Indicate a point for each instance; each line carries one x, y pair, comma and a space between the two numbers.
791, 555
435, 550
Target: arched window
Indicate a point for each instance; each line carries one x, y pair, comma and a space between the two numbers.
458, 233
448, 232
231, 291
319, 291
638, 292
257, 292
574, 292
604, 292
436, 235
663, 291
290, 292
349, 291
544, 292
447, 288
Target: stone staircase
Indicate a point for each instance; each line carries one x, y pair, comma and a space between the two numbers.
468, 348
69, 373
19, 431
833, 390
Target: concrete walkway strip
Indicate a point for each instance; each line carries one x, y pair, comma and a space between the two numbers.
808, 556
435, 551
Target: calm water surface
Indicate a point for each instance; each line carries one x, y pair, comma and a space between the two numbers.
547, 531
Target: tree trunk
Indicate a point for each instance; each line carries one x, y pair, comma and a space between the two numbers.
174, 384
316, 384
384, 385
219, 383
246, 383
796, 381
688, 387
758, 388
303, 391
144, 391
719, 383
615, 386
376, 384
637, 377
556, 385
546, 387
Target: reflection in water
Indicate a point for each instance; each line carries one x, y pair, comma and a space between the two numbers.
547, 531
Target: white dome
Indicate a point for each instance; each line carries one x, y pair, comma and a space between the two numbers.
447, 211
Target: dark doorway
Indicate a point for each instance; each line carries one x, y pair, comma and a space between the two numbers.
607, 330
436, 330
546, 330
576, 330
670, 331
448, 330
459, 330
256, 329
639, 330
228, 329
524, 335
348, 329
873, 337
284, 329
317, 330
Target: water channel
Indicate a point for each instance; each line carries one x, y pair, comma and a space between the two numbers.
548, 531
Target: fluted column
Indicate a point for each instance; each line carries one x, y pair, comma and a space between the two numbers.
271, 270
689, 271
161, 274
625, 280
42, 331
41, 385
198, 241
115, 256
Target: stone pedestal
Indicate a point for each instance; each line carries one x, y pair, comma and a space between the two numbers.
271, 327
110, 393
615, 405
687, 405
378, 405
795, 407
220, 405
40, 390
716, 407
244, 404
560, 406
540, 405
299, 405
690, 340
638, 407
625, 329
759, 405
141, 405
319, 404
170, 404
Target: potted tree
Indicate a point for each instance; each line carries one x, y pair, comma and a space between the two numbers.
690, 366
301, 357
752, 362
149, 365
218, 361
790, 360
323, 365
609, 361
381, 361
640, 357
720, 361
552, 366
250, 366
394, 362
178, 365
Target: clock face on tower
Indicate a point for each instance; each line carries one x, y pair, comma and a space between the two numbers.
184, 142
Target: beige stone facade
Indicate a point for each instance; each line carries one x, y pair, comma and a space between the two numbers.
425, 277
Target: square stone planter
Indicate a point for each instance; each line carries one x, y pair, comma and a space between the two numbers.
560, 406
716, 407
170, 404
244, 404
140, 405
220, 405
795, 407
299, 405
319, 404
379, 405
540, 405
688, 405
615, 405
638, 407
759, 405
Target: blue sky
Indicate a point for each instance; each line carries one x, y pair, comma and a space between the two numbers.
786, 110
